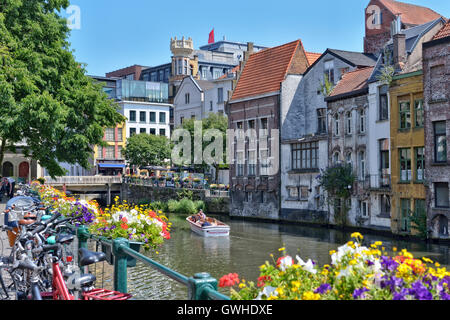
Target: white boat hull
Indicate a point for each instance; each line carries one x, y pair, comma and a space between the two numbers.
222, 230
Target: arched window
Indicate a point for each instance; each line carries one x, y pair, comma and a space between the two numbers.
336, 158
348, 158
8, 169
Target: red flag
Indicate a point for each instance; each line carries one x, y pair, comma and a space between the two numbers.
211, 37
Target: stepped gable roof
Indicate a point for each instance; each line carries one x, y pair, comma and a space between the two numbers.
351, 82
444, 32
411, 13
265, 70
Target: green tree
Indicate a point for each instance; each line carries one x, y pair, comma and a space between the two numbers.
338, 181
214, 121
147, 149
47, 101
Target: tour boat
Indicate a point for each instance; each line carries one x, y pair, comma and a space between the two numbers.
216, 229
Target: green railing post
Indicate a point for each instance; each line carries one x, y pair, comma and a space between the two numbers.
120, 265
198, 283
83, 236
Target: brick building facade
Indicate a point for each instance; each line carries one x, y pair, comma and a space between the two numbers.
255, 105
380, 13
436, 71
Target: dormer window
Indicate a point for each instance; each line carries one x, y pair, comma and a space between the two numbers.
329, 70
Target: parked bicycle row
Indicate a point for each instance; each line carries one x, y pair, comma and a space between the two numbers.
41, 264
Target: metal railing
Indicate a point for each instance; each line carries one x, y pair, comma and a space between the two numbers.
200, 287
379, 181
83, 180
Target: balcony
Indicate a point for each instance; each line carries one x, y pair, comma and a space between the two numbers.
381, 181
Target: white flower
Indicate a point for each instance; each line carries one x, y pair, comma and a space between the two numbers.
308, 266
267, 291
285, 263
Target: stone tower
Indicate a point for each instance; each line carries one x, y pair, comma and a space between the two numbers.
184, 62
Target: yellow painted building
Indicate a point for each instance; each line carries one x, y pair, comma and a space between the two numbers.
109, 160
407, 150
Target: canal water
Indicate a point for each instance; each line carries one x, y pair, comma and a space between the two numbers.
248, 247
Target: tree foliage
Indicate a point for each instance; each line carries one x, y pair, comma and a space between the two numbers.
146, 149
47, 103
214, 121
338, 182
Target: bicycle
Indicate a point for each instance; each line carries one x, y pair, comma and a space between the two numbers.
44, 271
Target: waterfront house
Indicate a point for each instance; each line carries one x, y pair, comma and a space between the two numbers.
347, 140
407, 124
304, 134
436, 70
265, 85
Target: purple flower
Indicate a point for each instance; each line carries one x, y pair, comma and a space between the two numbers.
323, 288
389, 263
369, 263
445, 296
359, 293
420, 292
400, 295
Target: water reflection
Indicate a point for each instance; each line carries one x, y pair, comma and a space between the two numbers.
248, 246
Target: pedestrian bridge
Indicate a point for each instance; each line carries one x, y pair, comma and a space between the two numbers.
102, 188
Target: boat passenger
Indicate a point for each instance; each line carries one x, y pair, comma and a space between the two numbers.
201, 215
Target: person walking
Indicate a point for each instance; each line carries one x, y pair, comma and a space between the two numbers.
10, 184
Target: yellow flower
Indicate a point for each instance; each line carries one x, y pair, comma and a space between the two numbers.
311, 296
242, 285
332, 252
296, 284
357, 235
282, 249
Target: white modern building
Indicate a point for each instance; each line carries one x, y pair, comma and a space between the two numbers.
197, 98
145, 105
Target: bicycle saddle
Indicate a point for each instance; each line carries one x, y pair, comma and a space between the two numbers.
90, 257
64, 238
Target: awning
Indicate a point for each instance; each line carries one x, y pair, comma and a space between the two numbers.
111, 165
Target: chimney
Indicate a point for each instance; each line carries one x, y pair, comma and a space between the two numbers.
399, 41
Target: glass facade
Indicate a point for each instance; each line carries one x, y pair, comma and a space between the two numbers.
144, 91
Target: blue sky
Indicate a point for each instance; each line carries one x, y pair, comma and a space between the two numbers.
119, 33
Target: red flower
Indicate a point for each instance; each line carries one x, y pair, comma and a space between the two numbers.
262, 281
125, 220
124, 226
229, 280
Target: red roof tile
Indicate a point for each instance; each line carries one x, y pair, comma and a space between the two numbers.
410, 13
265, 70
312, 57
444, 32
352, 81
